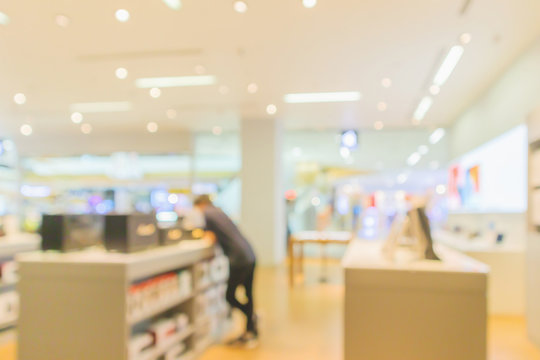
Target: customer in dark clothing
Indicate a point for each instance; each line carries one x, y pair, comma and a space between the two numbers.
221, 229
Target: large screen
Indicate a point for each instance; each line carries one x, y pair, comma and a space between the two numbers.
493, 177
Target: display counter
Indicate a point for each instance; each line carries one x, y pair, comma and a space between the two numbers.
9, 301
406, 309
506, 287
166, 302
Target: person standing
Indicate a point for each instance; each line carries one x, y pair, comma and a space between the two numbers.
222, 230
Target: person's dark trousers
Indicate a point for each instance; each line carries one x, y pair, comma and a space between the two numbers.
242, 276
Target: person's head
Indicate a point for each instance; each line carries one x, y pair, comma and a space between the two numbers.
202, 202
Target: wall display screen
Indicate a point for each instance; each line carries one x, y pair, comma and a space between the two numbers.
493, 177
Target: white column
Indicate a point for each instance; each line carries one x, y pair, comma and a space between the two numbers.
263, 204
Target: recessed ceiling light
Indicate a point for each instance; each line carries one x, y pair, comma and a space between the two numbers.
121, 73
252, 88
322, 97
62, 20
19, 99
77, 117
344, 152
240, 6
413, 159
26, 130
448, 65
423, 149
224, 90
4, 19
199, 69
309, 3
271, 109
217, 130
152, 127
155, 92
378, 125
382, 106
171, 114
175, 81
86, 129
423, 108
386, 82
436, 136
173, 4
122, 15
440, 189
465, 38
99, 107
434, 90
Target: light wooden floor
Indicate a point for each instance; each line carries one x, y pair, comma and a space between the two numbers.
306, 323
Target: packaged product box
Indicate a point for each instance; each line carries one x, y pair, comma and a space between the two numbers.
131, 233
71, 232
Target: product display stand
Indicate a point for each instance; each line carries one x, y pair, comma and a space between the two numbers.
414, 309
165, 303
9, 300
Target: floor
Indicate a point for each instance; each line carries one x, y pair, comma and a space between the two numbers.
305, 323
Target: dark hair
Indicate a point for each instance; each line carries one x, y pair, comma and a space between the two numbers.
202, 200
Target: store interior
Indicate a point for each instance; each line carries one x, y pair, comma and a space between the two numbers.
382, 158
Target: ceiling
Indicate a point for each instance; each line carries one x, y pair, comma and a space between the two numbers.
340, 45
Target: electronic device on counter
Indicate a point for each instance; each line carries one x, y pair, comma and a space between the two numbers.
131, 233
71, 232
175, 234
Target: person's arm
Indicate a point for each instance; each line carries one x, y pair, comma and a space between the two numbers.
210, 237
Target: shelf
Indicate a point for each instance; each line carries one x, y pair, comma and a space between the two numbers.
158, 309
154, 354
8, 324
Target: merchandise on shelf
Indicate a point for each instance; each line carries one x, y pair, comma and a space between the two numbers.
131, 233
8, 272
175, 352
202, 275
152, 293
162, 330
219, 269
9, 307
139, 344
71, 232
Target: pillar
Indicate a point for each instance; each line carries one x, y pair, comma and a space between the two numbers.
263, 204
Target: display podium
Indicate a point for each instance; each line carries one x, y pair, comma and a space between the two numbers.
99, 305
414, 309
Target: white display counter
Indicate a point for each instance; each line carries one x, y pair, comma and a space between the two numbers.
506, 285
91, 305
421, 310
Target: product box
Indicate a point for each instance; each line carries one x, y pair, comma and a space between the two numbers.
131, 233
71, 232
174, 235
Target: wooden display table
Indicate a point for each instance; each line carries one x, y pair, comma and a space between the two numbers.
322, 238
421, 310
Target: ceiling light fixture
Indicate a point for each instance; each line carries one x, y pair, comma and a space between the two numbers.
77, 117
434, 90
86, 129
382, 106
4, 19
121, 73
344, 152
378, 125
448, 65
386, 82
155, 92
437, 135
309, 4
465, 38
175, 81
271, 109
101, 107
19, 99
152, 127
413, 159
173, 4
322, 97
423, 149
423, 108
252, 88
240, 6
171, 114
26, 130
122, 15
62, 20
440, 189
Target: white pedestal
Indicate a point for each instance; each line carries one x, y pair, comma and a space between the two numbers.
420, 310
